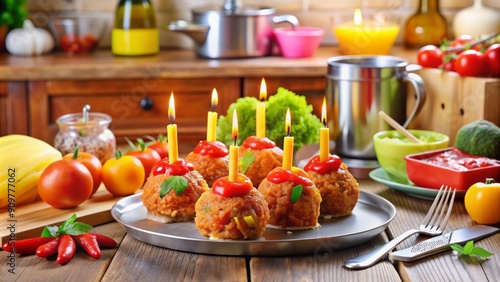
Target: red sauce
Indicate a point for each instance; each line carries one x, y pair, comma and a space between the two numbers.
223, 187
180, 167
332, 164
458, 160
279, 175
255, 143
213, 149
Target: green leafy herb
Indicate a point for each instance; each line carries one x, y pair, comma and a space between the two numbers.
13, 13
470, 250
304, 122
246, 161
70, 227
178, 183
296, 192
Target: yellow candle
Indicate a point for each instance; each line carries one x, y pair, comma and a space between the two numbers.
234, 151
173, 150
324, 136
288, 143
261, 111
212, 118
366, 38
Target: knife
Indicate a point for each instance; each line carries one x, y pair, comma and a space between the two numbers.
441, 243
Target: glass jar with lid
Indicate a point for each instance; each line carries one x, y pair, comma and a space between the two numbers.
89, 131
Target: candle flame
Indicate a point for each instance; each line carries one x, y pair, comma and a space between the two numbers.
215, 99
323, 112
263, 90
358, 18
288, 122
171, 108
235, 126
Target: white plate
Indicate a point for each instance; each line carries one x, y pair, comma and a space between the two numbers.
370, 217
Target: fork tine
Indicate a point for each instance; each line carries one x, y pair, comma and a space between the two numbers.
436, 217
437, 201
443, 223
438, 213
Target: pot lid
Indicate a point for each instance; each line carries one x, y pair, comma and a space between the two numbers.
235, 8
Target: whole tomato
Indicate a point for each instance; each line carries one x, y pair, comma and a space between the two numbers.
160, 145
92, 163
123, 175
469, 63
482, 202
430, 56
492, 60
65, 183
147, 156
462, 41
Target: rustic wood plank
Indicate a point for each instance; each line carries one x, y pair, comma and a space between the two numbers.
17, 108
81, 268
160, 264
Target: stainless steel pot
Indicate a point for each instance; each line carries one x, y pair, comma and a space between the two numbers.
234, 31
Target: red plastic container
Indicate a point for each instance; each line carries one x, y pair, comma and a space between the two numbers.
423, 173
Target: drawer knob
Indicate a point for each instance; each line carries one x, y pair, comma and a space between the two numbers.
146, 103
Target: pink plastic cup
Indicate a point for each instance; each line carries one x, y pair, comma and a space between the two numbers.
300, 42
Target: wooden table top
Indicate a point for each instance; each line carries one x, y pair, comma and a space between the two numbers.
134, 260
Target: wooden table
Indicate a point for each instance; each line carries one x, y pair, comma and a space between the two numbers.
137, 261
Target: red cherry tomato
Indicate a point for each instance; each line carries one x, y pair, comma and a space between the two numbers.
296, 175
448, 66
92, 163
462, 41
492, 60
160, 145
65, 183
332, 164
469, 63
255, 143
180, 167
213, 149
242, 186
430, 56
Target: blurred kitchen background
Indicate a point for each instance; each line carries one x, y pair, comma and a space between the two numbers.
309, 12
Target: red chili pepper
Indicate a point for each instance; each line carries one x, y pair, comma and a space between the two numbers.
66, 249
48, 249
104, 241
26, 246
89, 243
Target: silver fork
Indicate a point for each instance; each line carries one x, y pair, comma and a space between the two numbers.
433, 224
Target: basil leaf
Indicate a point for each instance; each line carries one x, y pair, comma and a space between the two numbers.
470, 250
178, 183
78, 228
480, 252
68, 221
50, 231
457, 248
296, 192
468, 247
246, 161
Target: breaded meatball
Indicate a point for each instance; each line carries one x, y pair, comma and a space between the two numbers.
339, 191
302, 214
172, 207
210, 168
215, 215
265, 161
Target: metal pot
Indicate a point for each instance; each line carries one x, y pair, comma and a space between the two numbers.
232, 32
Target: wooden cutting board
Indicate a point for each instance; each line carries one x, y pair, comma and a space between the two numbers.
29, 220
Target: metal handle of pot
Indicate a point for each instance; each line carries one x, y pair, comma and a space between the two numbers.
418, 84
231, 5
287, 18
198, 32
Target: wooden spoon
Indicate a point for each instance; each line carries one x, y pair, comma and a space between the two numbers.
398, 127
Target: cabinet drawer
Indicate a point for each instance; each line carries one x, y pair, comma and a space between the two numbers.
121, 99
313, 88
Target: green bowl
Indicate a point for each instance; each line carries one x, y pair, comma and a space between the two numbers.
391, 147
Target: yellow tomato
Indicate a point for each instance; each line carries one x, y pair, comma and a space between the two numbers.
123, 175
482, 202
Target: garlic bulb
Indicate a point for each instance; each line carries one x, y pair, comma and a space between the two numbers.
476, 20
29, 40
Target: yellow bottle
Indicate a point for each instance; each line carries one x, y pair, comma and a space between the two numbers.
135, 32
426, 26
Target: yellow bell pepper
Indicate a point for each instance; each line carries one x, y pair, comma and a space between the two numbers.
482, 202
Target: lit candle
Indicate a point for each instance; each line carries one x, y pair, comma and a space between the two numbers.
324, 139
212, 118
234, 151
288, 143
173, 151
261, 111
360, 37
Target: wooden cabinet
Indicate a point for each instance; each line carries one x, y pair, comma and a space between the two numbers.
13, 108
126, 102
313, 88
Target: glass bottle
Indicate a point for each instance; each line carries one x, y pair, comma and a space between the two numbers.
426, 26
92, 136
135, 32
